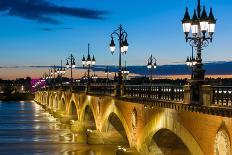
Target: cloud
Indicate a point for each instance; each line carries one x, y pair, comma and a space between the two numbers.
46, 29
44, 10
52, 29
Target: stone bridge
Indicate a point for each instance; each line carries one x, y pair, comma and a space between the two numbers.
146, 126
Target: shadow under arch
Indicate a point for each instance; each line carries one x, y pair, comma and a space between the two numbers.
88, 108
120, 135
55, 103
161, 121
44, 98
89, 119
73, 111
165, 142
62, 105
116, 128
50, 103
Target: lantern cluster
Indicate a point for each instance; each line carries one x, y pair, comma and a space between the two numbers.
191, 61
72, 64
123, 45
88, 61
199, 25
151, 62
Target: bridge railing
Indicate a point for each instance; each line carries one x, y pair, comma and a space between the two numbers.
102, 89
159, 92
222, 96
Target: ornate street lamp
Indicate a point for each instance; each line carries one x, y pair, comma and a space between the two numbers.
125, 72
151, 64
71, 64
199, 32
53, 75
61, 71
107, 72
88, 62
202, 27
53, 71
94, 76
191, 63
49, 75
123, 48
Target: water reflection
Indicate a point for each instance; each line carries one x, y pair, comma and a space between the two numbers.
25, 128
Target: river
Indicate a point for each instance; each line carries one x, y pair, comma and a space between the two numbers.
26, 129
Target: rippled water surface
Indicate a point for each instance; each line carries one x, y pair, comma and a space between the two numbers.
25, 128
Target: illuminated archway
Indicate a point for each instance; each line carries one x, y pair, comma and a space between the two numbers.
88, 119
62, 105
73, 111
159, 122
50, 101
114, 124
116, 128
55, 103
165, 142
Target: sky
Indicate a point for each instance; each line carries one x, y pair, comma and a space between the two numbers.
42, 32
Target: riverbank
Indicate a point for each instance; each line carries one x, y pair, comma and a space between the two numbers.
17, 97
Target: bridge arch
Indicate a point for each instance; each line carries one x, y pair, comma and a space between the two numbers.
168, 143
163, 124
62, 104
89, 119
113, 114
55, 102
50, 101
88, 115
72, 110
44, 98
47, 99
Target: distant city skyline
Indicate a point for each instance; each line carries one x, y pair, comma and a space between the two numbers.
220, 69
47, 31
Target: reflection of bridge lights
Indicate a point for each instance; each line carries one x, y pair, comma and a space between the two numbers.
51, 119
122, 148
72, 122
145, 106
37, 127
89, 130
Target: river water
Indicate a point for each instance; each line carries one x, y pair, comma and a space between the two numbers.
26, 129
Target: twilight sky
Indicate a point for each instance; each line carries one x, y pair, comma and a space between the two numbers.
42, 32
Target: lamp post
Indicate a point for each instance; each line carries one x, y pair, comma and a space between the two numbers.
94, 76
61, 71
53, 74
71, 64
53, 71
125, 72
202, 27
151, 64
48, 77
88, 62
191, 63
123, 48
107, 72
